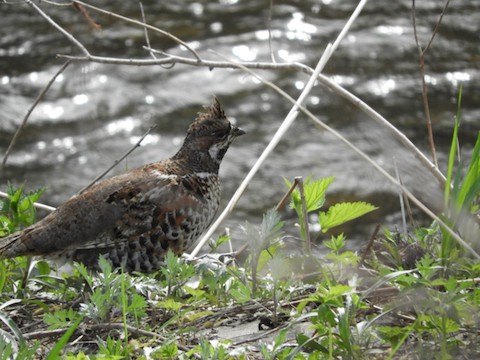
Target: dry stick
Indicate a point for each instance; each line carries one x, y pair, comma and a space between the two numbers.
270, 10
145, 31
146, 26
374, 115
422, 53
116, 162
283, 201
370, 244
69, 36
29, 112
292, 115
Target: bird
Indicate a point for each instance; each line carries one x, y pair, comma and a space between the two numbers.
135, 218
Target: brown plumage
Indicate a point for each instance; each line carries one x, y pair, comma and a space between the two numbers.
134, 218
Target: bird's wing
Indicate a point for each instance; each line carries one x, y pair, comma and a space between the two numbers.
144, 204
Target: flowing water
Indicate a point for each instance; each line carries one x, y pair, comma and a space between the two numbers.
95, 112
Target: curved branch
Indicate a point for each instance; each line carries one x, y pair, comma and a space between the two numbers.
69, 36
144, 25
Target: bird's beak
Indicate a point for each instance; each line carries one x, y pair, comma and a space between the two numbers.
237, 131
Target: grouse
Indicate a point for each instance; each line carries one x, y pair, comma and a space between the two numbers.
133, 219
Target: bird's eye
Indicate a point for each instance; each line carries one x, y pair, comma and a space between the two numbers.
219, 134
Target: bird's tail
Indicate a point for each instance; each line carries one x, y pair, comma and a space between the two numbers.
9, 245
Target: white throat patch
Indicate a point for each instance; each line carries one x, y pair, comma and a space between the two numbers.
213, 151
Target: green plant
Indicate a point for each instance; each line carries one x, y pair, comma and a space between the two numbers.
176, 272
263, 242
461, 194
17, 210
111, 293
113, 349
314, 194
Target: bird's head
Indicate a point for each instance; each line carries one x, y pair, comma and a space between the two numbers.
210, 134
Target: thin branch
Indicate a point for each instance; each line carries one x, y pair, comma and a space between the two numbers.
270, 48
437, 26
369, 245
136, 22
29, 111
284, 199
116, 162
145, 30
422, 53
69, 36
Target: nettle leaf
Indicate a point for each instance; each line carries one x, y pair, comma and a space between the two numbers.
314, 193
343, 212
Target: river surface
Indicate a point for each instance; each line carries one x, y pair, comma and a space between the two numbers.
94, 113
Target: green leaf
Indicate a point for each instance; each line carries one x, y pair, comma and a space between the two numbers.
55, 352
60, 318
337, 290
314, 193
470, 187
266, 255
343, 212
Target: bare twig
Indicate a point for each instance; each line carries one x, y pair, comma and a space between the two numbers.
370, 244
270, 10
147, 26
437, 26
69, 36
285, 197
145, 30
422, 53
29, 111
116, 162
87, 16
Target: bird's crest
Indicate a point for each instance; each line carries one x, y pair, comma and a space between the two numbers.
213, 112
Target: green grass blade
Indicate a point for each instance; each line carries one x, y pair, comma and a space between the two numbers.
453, 150
13, 327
